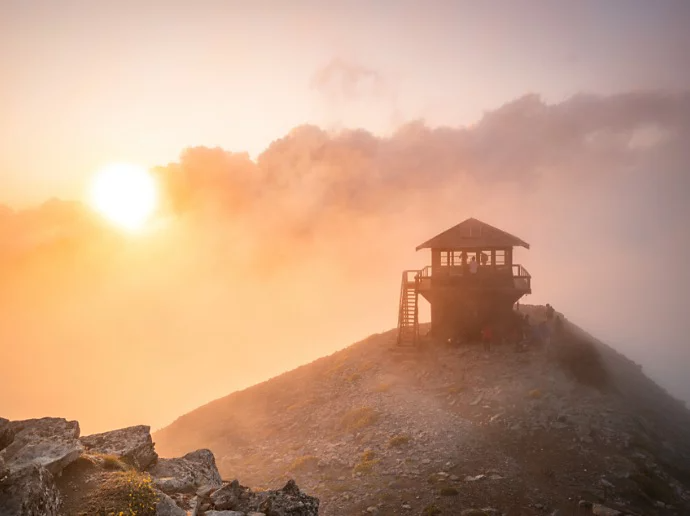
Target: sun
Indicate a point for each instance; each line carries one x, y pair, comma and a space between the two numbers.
125, 194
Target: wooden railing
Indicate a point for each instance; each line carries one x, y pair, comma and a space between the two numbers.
520, 272
522, 278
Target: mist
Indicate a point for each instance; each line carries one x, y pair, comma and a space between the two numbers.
253, 267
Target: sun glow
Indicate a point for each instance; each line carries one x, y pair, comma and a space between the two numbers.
126, 195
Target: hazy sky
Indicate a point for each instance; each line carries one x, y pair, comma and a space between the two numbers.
567, 124
83, 83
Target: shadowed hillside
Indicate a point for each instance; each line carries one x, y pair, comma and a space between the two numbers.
442, 429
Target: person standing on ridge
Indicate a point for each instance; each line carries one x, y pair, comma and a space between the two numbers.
473, 265
487, 337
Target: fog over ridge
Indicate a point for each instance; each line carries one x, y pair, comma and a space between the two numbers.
261, 265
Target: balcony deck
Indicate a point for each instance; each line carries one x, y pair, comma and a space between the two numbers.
486, 278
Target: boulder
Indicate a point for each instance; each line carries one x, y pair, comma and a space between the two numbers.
224, 513
133, 444
234, 496
49, 442
166, 506
6, 433
288, 501
29, 491
186, 474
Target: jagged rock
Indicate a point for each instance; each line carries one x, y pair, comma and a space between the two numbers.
289, 501
133, 444
205, 491
6, 433
29, 491
233, 496
50, 442
186, 474
166, 506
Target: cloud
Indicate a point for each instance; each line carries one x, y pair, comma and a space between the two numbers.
344, 80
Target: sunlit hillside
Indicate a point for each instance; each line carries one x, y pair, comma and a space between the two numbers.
445, 427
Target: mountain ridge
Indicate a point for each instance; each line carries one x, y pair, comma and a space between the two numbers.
443, 428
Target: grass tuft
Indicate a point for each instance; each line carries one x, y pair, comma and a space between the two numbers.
366, 463
359, 418
304, 463
398, 441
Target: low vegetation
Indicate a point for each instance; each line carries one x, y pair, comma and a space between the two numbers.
534, 394
398, 441
123, 493
109, 462
353, 378
304, 463
366, 463
383, 387
431, 510
359, 418
455, 389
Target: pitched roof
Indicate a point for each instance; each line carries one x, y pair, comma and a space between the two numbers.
473, 233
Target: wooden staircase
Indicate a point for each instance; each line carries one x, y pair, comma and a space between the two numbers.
408, 316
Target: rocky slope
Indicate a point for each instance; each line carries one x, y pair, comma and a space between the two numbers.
46, 469
451, 430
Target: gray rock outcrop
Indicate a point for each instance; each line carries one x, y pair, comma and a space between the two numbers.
134, 444
6, 433
233, 496
287, 501
49, 442
29, 491
167, 507
41, 467
186, 474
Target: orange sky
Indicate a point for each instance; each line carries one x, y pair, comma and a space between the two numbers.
260, 265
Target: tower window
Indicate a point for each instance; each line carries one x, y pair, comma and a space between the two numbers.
500, 257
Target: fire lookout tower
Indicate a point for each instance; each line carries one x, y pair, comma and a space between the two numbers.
471, 280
